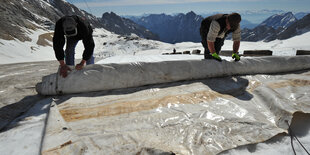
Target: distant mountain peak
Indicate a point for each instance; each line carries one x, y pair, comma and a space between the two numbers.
278, 26
280, 20
119, 25
191, 13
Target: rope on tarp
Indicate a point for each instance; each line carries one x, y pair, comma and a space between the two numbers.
292, 135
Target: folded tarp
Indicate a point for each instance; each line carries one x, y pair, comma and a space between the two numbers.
114, 76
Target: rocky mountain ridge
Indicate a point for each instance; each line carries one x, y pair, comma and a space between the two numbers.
18, 17
114, 23
280, 20
281, 27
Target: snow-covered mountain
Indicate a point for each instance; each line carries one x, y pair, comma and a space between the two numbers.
297, 28
277, 27
18, 17
259, 33
181, 28
280, 20
300, 15
173, 29
26, 29
123, 26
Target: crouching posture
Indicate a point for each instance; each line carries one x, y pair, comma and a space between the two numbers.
213, 31
70, 30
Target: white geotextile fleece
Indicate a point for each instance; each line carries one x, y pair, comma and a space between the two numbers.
114, 76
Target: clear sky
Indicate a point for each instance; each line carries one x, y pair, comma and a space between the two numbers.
139, 7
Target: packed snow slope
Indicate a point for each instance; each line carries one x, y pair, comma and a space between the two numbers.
108, 44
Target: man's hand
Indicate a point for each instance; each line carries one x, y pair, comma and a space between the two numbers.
216, 57
236, 56
64, 70
80, 65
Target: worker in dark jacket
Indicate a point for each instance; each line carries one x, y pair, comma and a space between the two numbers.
214, 30
72, 29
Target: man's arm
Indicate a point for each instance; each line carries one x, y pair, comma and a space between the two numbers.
236, 36
88, 41
59, 41
62, 62
58, 44
80, 65
211, 47
212, 51
236, 46
63, 68
89, 46
211, 37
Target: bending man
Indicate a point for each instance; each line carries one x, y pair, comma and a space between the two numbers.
72, 29
214, 30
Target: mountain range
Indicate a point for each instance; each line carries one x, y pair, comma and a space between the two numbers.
280, 20
282, 26
18, 17
173, 29
123, 26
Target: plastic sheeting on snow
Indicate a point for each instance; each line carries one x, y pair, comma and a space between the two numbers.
115, 76
189, 117
205, 116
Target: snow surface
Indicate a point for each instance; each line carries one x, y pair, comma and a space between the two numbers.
114, 48
108, 44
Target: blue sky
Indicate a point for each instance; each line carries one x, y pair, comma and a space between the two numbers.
139, 7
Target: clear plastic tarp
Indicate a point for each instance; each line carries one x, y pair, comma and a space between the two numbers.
196, 116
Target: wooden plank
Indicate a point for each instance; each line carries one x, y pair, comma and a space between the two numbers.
303, 52
257, 53
187, 52
196, 51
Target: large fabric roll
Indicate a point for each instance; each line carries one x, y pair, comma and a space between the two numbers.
114, 76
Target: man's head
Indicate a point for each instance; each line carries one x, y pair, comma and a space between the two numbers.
234, 20
69, 26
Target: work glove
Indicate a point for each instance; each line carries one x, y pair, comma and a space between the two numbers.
216, 57
236, 56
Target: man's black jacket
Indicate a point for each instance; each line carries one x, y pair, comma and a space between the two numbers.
84, 33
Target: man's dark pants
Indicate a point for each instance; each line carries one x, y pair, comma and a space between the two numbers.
219, 42
70, 52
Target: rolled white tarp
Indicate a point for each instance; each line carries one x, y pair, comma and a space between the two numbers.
100, 77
